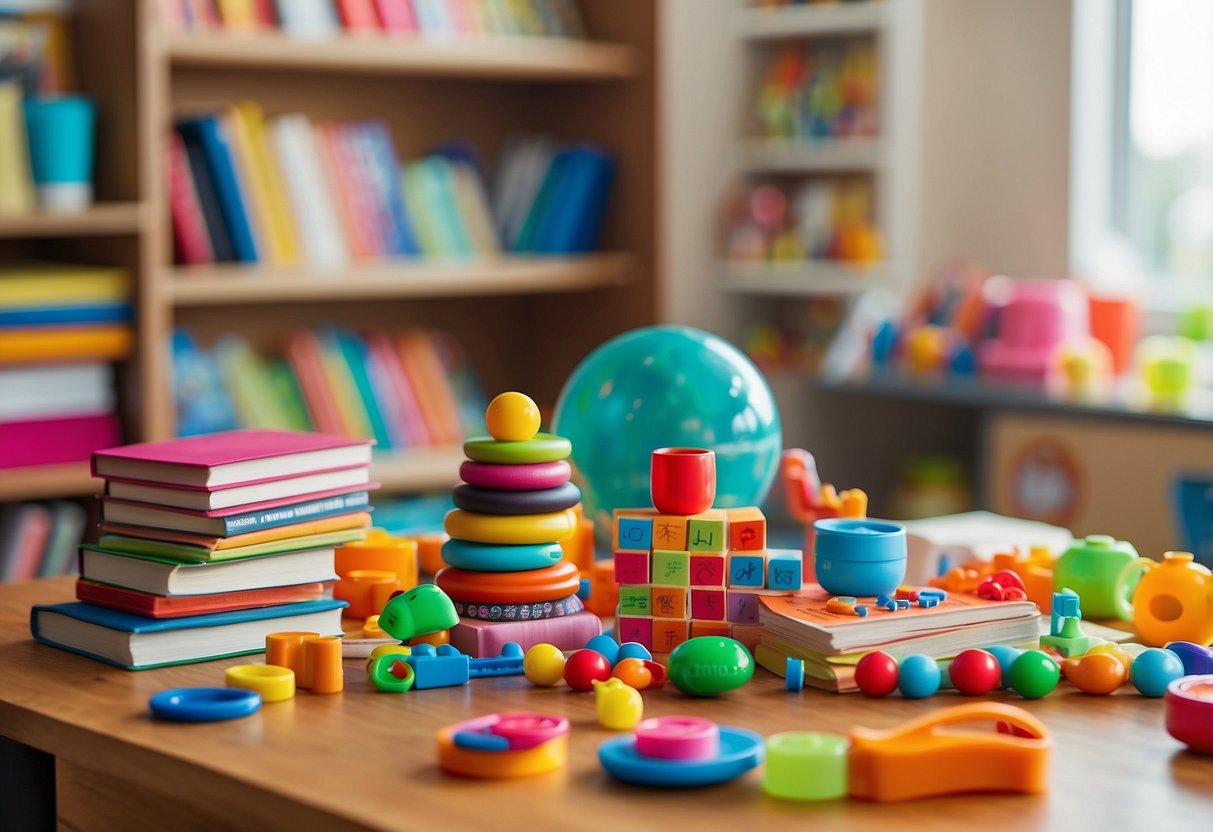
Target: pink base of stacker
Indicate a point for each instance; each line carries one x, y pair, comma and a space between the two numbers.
486, 638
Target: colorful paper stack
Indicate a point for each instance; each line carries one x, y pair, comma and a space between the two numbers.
211, 542
687, 575
505, 569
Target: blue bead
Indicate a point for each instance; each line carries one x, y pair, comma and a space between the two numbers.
918, 676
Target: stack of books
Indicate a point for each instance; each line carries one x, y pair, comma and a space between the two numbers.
405, 390
60, 327
831, 643
210, 543
425, 18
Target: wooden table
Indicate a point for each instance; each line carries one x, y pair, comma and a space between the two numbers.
363, 759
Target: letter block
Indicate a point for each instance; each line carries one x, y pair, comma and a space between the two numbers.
707, 569
670, 532
709, 628
671, 568
784, 569
631, 567
708, 532
708, 604
635, 600
747, 529
668, 634
635, 629
634, 529
743, 607
670, 602
747, 569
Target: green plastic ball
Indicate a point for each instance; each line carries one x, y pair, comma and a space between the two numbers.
1034, 675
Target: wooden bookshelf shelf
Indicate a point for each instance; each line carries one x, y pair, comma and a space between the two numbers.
827, 155
106, 218
418, 469
237, 284
819, 19
41, 481
800, 279
488, 56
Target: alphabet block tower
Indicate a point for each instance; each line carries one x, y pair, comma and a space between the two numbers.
506, 571
687, 575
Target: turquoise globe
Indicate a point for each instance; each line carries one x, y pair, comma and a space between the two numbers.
667, 386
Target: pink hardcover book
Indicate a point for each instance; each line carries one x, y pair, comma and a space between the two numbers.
34, 530
53, 441
232, 457
396, 15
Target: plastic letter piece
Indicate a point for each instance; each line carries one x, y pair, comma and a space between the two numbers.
917, 759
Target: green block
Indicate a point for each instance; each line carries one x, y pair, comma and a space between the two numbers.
708, 532
671, 568
635, 600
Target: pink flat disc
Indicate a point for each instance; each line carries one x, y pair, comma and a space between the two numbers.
527, 477
678, 738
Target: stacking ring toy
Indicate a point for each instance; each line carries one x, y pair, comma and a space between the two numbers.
274, 683
488, 501
492, 760
519, 612
495, 557
492, 528
545, 447
548, 584
515, 477
513, 731
204, 704
740, 751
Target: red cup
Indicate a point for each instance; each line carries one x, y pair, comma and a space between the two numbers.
683, 480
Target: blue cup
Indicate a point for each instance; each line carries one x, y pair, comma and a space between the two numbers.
61, 130
859, 557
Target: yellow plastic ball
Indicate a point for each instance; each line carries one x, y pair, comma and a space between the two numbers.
543, 665
512, 417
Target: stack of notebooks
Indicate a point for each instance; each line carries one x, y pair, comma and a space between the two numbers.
210, 543
61, 326
830, 643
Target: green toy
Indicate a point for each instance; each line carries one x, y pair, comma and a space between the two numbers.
422, 610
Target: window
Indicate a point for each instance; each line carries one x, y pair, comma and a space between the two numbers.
1142, 145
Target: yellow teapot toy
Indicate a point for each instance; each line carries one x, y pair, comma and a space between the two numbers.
1173, 600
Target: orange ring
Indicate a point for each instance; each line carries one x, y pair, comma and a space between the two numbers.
547, 756
547, 584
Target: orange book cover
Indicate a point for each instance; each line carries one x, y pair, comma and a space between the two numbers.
429, 381
306, 359
65, 343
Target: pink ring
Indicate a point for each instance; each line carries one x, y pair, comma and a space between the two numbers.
677, 738
526, 477
527, 730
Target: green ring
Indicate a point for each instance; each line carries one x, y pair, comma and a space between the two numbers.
386, 681
545, 447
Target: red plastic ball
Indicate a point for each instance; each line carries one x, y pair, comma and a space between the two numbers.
584, 667
876, 674
975, 672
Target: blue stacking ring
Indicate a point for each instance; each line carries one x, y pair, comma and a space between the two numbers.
204, 704
490, 501
794, 675
740, 751
500, 557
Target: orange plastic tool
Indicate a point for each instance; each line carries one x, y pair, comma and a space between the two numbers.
935, 755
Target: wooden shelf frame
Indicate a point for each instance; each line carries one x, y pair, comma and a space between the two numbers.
418, 469
812, 155
102, 219
37, 482
789, 22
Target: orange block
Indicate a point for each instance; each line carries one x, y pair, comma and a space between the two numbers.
669, 602
668, 634
709, 628
383, 553
579, 548
604, 592
322, 671
285, 649
747, 529
748, 634
366, 591
670, 531
429, 550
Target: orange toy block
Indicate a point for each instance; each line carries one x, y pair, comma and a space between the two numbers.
748, 634
670, 531
285, 649
668, 634
429, 550
709, 628
670, 602
366, 591
579, 547
322, 671
604, 592
382, 553
747, 529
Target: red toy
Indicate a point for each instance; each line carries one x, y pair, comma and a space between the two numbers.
876, 674
975, 672
1003, 586
584, 667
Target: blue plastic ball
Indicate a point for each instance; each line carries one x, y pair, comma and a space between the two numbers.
667, 386
634, 650
1006, 655
1154, 669
607, 646
919, 676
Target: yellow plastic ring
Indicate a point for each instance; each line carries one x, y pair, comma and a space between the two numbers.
384, 649
274, 683
519, 529
547, 756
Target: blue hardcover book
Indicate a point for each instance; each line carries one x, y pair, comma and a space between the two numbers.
97, 313
574, 213
133, 642
208, 198
227, 522
354, 353
375, 138
543, 199
207, 133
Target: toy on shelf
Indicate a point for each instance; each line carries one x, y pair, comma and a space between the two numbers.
1188, 705
808, 500
710, 666
1037, 318
1166, 366
314, 660
505, 565
819, 90
1081, 370
504, 745
680, 752
1173, 600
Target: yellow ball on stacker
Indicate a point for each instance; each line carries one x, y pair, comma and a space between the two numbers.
512, 417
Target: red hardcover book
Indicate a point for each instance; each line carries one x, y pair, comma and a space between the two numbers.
263, 10
178, 606
396, 15
32, 530
51, 441
191, 242
304, 355
358, 15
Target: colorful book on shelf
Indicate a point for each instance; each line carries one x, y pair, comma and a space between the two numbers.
306, 357
282, 385
465, 386
396, 16
136, 642
227, 522
55, 441
238, 15
61, 284
357, 16
68, 520
311, 200
43, 391
207, 133
376, 152
267, 180
472, 204
191, 240
569, 223
151, 605
203, 547
516, 180
16, 179
403, 402
338, 184
25, 529
543, 201
217, 233
311, 19
351, 409
254, 189
66, 315
200, 499
168, 550
427, 379
20, 345
202, 401
244, 374
164, 576
354, 352
239, 457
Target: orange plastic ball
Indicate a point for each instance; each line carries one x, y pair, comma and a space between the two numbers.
634, 673
1097, 673
512, 417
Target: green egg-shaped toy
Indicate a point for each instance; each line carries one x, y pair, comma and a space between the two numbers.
710, 665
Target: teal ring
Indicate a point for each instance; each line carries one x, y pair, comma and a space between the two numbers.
498, 557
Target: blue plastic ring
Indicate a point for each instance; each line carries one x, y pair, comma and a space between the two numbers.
500, 557
204, 704
740, 751
794, 675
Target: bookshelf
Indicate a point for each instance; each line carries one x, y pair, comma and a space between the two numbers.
523, 322
783, 23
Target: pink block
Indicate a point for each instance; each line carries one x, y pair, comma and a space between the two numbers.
635, 629
708, 604
480, 639
631, 567
707, 570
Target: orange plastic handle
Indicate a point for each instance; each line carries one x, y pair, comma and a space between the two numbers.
971, 712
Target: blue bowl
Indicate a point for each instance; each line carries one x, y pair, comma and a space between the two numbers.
859, 557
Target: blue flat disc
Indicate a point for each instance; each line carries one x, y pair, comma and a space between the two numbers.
500, 557
740, 751
204, 704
